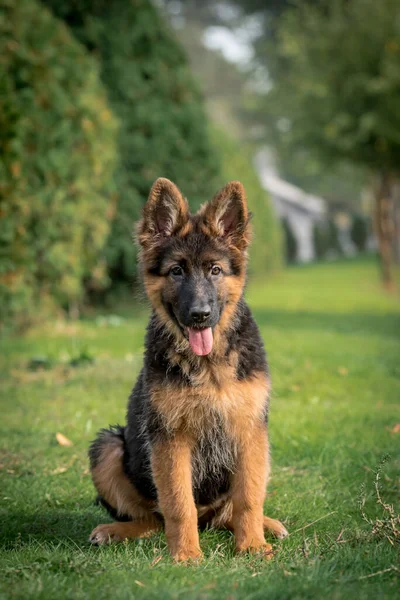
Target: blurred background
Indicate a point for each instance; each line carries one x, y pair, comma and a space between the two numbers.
299, 101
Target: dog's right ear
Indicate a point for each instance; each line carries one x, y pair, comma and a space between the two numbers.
165, 212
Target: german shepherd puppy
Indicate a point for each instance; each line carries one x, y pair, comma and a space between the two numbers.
194, 451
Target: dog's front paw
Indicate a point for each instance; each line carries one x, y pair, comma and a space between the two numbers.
106, 534
261, 548
187, 554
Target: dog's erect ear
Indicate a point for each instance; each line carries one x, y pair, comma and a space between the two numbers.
165, 212
227, 215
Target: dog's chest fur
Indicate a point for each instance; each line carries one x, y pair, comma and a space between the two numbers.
216, 410
213, 461
210, 398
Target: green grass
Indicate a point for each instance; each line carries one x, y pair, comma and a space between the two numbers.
333, 339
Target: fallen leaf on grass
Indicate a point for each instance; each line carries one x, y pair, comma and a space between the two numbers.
64, 468
139, 583
343, 371
62, 440
59, 470
396, 428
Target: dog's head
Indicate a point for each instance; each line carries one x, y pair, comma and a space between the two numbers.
194, 266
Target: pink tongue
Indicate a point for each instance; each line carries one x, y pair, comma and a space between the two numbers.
201, 340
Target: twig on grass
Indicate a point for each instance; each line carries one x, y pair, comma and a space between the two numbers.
388, 526
313, 522
339, 537
392, 568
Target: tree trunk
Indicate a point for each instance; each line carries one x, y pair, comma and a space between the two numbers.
384, 226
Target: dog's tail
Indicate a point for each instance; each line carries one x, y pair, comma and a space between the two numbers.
114, 436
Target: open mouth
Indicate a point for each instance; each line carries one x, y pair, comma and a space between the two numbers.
200, 340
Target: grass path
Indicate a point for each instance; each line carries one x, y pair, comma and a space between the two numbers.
333, 340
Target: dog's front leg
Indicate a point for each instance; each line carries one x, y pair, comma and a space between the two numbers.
249, 487
172, 472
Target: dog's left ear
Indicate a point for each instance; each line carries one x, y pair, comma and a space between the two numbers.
227, 215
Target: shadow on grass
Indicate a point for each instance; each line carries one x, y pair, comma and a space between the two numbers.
19, 529
348, 323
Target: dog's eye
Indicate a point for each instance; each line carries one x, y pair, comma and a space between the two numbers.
215, 270
176, 271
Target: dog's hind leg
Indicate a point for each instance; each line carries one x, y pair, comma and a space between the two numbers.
117, 492
275, 527
117, 532
222, 519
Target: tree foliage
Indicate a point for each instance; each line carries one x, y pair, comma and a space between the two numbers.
337, 80
336, 94
151, 90
57, 139
266, 249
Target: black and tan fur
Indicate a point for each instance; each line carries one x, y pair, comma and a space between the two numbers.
194, 451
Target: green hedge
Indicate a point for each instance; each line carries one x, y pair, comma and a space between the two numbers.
266, 249
57, 151
152, 91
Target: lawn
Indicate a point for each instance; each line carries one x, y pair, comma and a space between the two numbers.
333, 339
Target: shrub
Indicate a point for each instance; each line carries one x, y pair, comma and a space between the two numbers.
326, 239
290, 241
359, 232
321, 239
57, 138
163, 124
335, 247
266, 249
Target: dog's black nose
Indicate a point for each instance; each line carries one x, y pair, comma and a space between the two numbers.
198, 315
